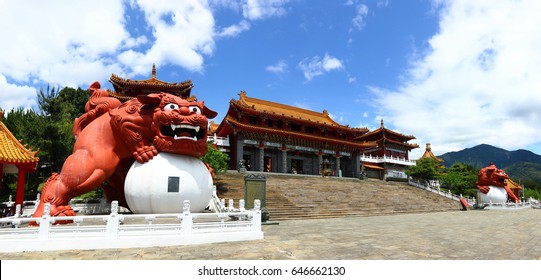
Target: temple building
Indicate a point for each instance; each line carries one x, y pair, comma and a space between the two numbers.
391, 155
429, 154
15, 158
126, 89
274, 137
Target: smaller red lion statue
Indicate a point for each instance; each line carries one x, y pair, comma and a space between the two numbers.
492, 176
111, 135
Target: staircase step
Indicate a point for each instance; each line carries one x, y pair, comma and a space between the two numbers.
302, 197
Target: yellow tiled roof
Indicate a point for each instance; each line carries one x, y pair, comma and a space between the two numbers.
513, 185
287, 111
182, 89
12, 151
429, 154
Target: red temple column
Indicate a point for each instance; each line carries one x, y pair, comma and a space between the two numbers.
21, 178
261, 156
284, 158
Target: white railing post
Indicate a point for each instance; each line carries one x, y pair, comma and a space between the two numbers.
17, 211
223, 204
256, 219
113, 221
186, 225
241, 208
231, 205
10, 203
242, 204
38, 199
45, 222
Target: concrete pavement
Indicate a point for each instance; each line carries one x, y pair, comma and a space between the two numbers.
455, 235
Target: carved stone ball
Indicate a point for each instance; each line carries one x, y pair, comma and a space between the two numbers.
162, 184
495, 194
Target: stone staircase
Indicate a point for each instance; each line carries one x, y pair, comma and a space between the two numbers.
311, 197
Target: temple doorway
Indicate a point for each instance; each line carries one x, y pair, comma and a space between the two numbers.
296, 166
247, 162
267, 164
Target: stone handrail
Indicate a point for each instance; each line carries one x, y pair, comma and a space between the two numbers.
448, 194
130, 231
390, 159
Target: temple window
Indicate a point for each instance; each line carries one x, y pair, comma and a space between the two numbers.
270, 123
309, 129
295, 127
253, 120
279, 124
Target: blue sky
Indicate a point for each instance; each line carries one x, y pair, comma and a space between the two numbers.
452, 73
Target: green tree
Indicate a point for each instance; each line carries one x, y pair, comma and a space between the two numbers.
425, 169
216, 159
460, 179
59, 109
49, 129
25, 125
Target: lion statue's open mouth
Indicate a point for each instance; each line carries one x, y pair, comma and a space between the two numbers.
183, 131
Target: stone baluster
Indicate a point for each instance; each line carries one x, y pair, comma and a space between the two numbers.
256, 220
187, 219
45, 222
231, 205
113, 221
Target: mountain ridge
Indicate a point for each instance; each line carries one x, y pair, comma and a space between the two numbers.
482, 155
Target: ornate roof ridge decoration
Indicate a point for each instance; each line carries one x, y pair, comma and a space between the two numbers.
286, 111
128, 88
363, 145
384, 130
429, 154
12, 151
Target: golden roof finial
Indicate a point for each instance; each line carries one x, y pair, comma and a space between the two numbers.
154, 71
382, 123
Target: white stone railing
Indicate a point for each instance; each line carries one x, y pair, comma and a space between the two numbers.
28, 207
436, 189
219, 141
471, 201
508, 206
387, 159
129, 231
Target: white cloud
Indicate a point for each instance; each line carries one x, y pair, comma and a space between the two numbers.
338, 119
382, 3
235, 30
279, 67
478, 82
73, 44
183, 33
261, 9
359, 20
316, 66
13, 96
43, 34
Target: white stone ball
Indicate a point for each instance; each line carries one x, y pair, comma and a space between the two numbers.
162, 184
495, 194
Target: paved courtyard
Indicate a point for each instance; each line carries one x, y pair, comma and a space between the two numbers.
456, 235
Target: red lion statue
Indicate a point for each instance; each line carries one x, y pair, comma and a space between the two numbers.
111, 135
492, 176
